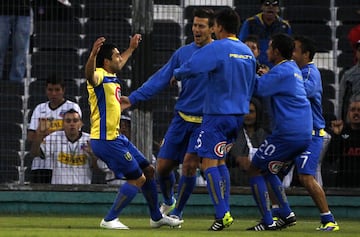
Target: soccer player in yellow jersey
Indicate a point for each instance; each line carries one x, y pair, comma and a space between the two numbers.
119, 154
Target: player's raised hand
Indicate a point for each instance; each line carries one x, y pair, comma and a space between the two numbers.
97, 45
134, 41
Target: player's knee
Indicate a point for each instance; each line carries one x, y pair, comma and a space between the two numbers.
139, 182
306, 179
165, 167
149, 172
189, 169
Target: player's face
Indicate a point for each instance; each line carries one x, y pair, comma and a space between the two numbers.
55, 94
201, 31
254, 48
298, 55
116, 61
250, 118
72, 124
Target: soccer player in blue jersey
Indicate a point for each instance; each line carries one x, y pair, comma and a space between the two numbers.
306, 165
184, 129
119, 154
230, 66
291, 132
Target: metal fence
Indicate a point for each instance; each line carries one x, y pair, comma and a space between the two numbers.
62, 33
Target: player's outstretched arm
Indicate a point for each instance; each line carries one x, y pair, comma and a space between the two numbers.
91, 63
134, 43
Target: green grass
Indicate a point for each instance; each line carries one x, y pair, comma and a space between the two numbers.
71, 226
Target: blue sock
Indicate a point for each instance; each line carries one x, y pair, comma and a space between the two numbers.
150, 193
327, 217
214, 181
185, 188
279, 191
166, 184
275, 211
261, 197
126, 193
225, 174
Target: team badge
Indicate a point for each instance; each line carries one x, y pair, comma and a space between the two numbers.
219, 149
275, 166
128, 156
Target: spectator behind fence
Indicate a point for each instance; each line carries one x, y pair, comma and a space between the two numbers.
349, 84
15, 24
247, 143
49, 116
354, 37
343, 152
67, 149
265, 24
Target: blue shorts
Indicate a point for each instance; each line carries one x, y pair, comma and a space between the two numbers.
307, 163
179, 139
121, 156
274, 153
217, 131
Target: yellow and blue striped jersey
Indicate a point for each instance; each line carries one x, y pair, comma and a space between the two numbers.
105, 108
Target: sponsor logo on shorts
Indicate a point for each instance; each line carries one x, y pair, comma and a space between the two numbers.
275, 166
220, 148
128, 156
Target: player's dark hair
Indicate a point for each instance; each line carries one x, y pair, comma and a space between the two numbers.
105, 52
205, 13
307, 45
284, 43
254, 39
228, 19
55, 80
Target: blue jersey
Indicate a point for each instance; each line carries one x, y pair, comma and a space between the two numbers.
192, 92
313, 88
230, 66
255, 26
290, 108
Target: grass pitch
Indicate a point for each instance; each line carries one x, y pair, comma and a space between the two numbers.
71, 226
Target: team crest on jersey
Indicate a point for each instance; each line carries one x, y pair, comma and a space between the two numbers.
275, 166
128, 156
118, 93
220, 148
